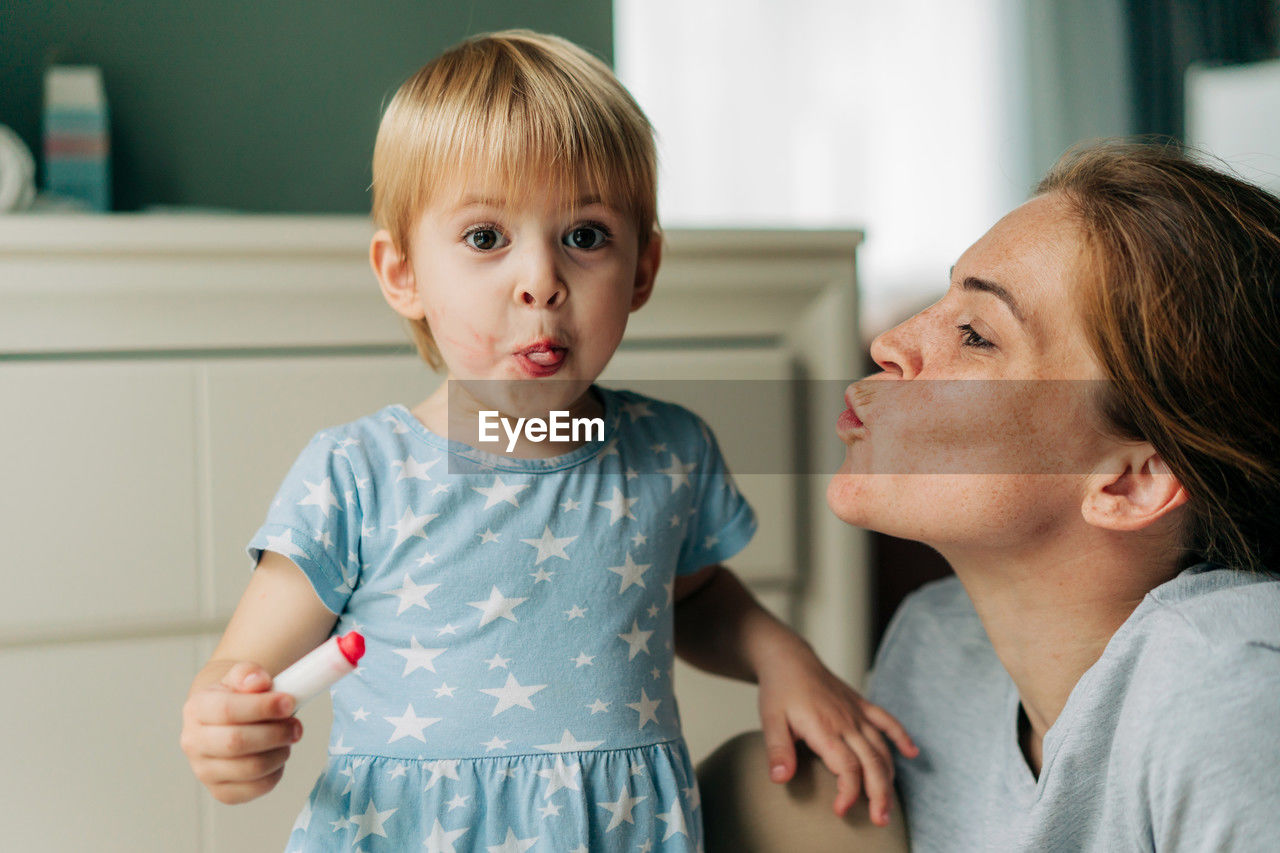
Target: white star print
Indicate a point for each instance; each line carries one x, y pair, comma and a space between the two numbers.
541, 575
575, 612
412, 594
500, 492
398, 771
411, 525
639, 539
495, 743
320, 495
621, 809
324, 539
427, 557
569, 505
304, 818
583, 659
497, 607
561, 776
549, 810
638, 640
445, 690
284, 545
372, 822
498, 661
487, 537
599, 707
619, 506
513, 844
637, 410
568, 743
360, 715
630, 572
397, 428
449, 628
653, 611
674, 820
416, 657
412, 469
694, 796
549, 546
458, 802
647, 708
678, 471
441, 769
441, 840
675, 521
409, 724
511, 694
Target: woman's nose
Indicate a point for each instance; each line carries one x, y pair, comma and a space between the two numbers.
540, 284
898, 351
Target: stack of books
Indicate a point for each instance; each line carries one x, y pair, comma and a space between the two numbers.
77, 141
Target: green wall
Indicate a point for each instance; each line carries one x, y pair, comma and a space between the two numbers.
254, 105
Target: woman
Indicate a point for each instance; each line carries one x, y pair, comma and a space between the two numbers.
1085, 427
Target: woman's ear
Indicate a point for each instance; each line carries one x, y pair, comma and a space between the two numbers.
1137, 491
647, 270
395, 276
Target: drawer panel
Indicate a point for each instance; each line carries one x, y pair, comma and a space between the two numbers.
99, 500
94, 756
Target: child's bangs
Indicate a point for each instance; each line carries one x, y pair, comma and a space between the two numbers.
522, 155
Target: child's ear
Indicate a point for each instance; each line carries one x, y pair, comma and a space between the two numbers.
647, 270
395, 276
1143, 491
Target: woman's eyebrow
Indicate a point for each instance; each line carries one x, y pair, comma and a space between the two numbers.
982, 285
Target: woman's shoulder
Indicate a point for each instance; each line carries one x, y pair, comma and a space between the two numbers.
1207, 641
1213, 609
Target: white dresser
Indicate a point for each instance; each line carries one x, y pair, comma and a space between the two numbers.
159, 374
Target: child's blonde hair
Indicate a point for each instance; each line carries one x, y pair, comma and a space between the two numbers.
529, 111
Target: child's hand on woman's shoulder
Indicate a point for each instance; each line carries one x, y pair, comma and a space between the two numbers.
237, 733
801, 699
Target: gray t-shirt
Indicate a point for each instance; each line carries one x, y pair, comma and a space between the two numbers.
1170, 741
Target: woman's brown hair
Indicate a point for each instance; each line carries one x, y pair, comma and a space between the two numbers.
1183, 311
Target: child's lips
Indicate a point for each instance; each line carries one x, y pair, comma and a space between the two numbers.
546, 357
543, 358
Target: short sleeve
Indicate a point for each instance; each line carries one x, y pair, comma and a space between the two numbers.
315, 521
722, 522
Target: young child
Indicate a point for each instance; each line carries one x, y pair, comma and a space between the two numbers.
520, 607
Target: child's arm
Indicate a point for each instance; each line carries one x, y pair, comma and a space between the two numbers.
235, 732
721, 628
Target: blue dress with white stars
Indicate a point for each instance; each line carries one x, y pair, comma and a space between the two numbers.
516, 689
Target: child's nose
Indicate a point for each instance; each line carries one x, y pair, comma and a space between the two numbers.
540, 284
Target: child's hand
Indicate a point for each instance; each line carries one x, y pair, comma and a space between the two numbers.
801, 698
236, 734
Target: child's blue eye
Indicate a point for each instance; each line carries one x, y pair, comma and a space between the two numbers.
483, 239
586, 237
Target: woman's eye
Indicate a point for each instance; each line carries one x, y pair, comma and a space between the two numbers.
483, 239
586, 237
970, 338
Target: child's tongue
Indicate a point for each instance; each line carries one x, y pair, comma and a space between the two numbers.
545, 357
